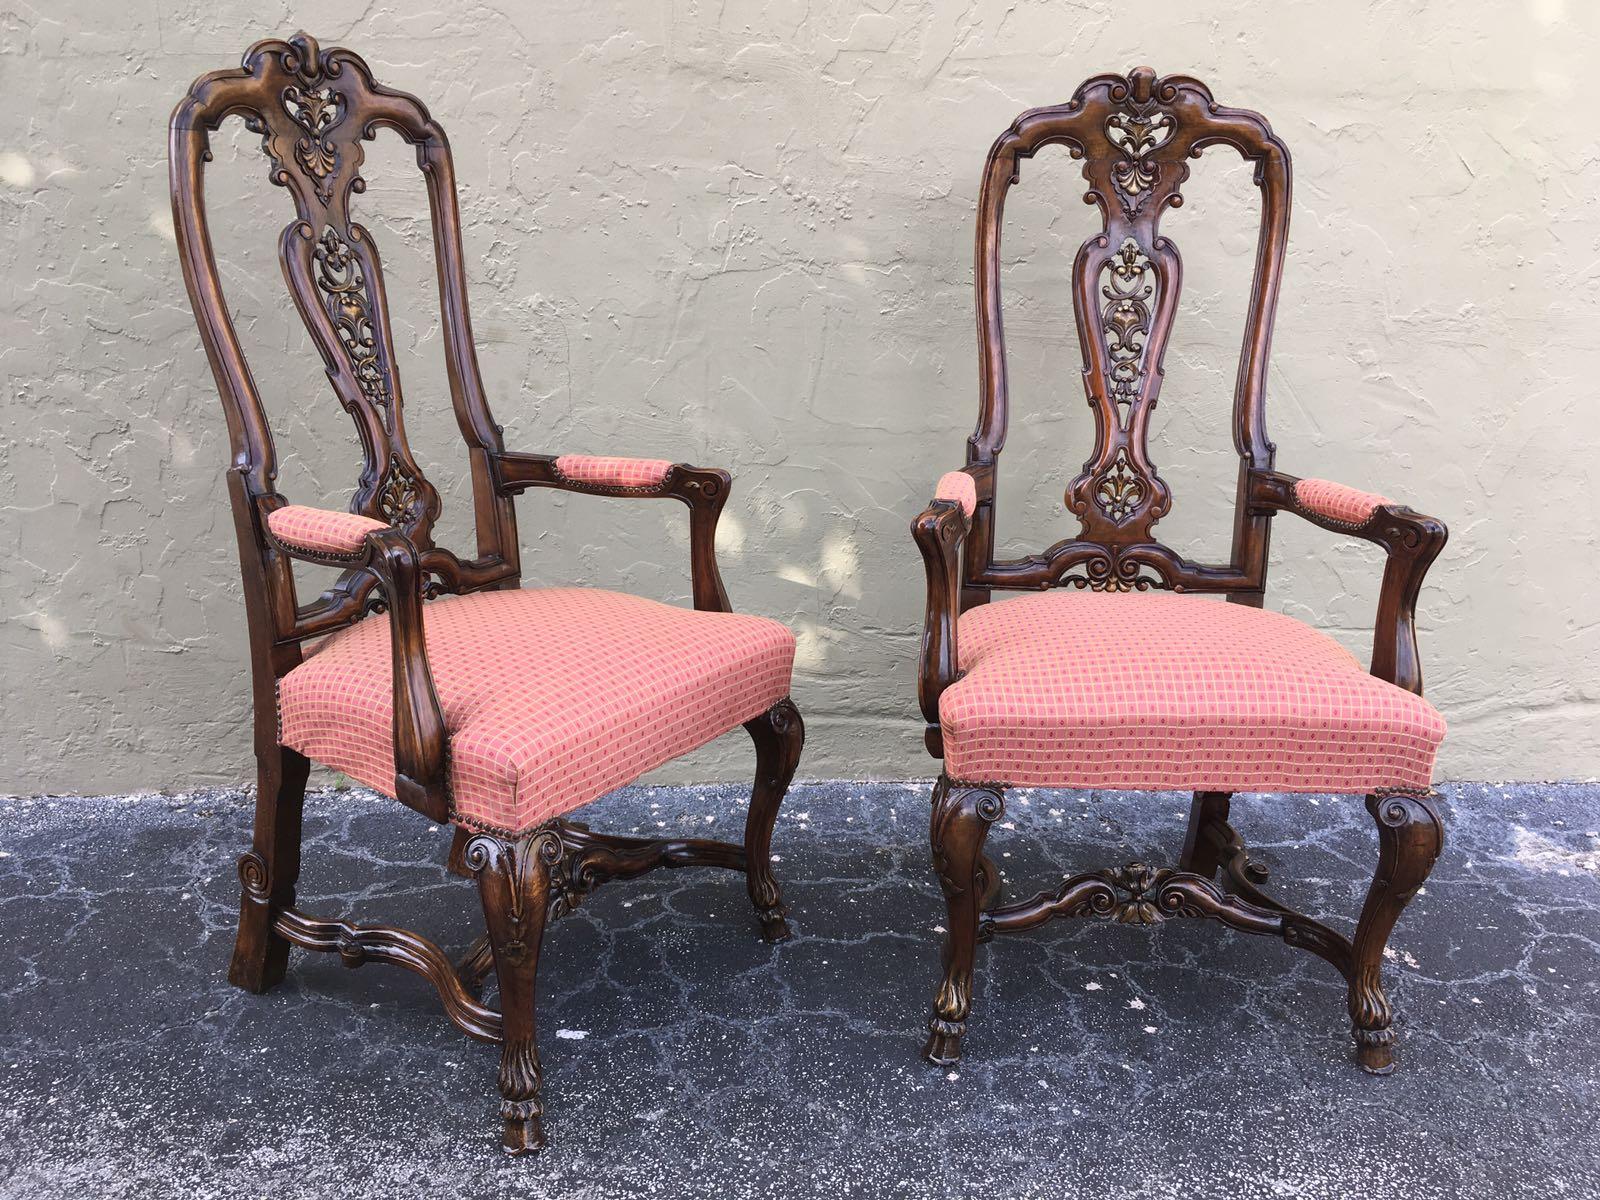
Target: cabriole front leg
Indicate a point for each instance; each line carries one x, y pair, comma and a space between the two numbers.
1410, 836
514, 882
269, 871
779, 735
962, 814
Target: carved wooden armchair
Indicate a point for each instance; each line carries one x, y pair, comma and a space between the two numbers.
1111, 676
468, 698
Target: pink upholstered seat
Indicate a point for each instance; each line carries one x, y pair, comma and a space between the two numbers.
552, 696
1165, 691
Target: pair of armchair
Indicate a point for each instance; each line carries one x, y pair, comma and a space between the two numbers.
439, 680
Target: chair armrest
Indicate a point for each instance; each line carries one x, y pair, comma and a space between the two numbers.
421, 741
939, 532
1411, 540
367, 546
321, 534
703, 489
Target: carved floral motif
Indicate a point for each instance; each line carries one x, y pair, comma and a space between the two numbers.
315, 111
1120, 490
400, 499
1136, 135
1103, 574
1125, 320
349, 306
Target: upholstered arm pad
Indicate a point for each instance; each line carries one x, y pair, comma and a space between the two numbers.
613, 472
1336, 502
960, 487
321, 531
643, 478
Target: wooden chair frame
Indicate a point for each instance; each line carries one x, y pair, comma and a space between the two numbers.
314, 108
1135, 135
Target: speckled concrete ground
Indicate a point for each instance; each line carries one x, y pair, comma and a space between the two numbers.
684, 1057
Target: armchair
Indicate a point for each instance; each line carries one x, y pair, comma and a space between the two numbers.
438, 679
1114, 673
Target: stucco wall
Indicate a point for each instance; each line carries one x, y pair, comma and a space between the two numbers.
740, 234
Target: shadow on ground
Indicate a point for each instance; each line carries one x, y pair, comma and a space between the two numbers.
684, 1057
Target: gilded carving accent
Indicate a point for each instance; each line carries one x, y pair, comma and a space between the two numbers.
316, 111
1120, 491
1136, 135
1103, 574
349, 306
400, 498
1125, 320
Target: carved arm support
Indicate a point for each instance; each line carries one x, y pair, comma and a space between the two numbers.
940, 531
703, 489
421, 742
1411, 540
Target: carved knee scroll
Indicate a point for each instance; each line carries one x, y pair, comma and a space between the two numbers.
1410, 836
962, 815
514, 883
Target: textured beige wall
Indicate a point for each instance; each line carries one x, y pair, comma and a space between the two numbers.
740, 234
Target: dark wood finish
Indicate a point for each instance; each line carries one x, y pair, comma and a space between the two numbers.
1205, 843
1135, 136
516, 882
314, 110
962, 815
269, 871
357, 945
703, 489
778, 734
1410, 836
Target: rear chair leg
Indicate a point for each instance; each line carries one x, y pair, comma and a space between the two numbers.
962, 815
515, 879
778, 734
269, 871
1410, 836
456, 863
1201, 851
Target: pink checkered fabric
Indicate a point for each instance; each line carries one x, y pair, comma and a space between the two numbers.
1156, 691
1337, 502
958, 486
552, 696
614, 472
320, 530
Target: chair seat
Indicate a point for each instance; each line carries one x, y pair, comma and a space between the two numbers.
1162, 691
552, 696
